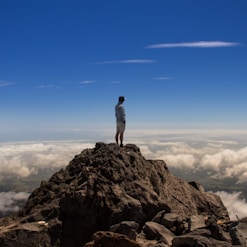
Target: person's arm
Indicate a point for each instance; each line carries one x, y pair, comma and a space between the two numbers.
122, 111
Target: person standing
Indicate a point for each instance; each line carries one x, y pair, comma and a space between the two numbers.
121, 120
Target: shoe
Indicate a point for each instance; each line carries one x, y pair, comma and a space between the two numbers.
121, 145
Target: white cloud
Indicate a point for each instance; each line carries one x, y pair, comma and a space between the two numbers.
229, 162
223, 155
163, 78
180, 160
87, 82
46, 86
198, 44
24, 159
236, 206
129, 61
219, 153
243, 176
5, 83
9, 199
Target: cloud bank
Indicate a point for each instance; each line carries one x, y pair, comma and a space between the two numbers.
237, 207
217, 154
9, 201
223, 156
25, 159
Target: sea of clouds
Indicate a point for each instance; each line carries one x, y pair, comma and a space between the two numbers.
24, 159
9, 201
224, 153
219, 153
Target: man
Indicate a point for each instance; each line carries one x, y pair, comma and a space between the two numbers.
120, 118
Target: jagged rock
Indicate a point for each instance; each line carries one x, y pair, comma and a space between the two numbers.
128, 228
26, 234
170, 220
175, 223
215, 229
196, 221
105, 186
200, 238
156, 231
238, 232
110, 239
115, 185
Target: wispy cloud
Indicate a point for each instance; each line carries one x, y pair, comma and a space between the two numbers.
87, 82
47, 86
5, 83
129, 61
162, 78
197, 44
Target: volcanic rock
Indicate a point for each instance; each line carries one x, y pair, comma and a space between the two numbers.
108, 191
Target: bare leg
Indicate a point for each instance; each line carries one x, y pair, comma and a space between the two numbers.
121, 139
116, 137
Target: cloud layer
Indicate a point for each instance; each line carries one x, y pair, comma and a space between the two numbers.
219, 155
9, 201
237, 207
25, 159
224, 156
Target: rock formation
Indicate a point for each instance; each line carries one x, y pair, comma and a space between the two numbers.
112, 196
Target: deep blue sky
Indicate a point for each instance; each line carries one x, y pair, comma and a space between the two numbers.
63, 64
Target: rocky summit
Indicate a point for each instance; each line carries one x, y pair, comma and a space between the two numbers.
113, 197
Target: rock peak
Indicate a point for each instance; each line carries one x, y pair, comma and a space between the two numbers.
109, 190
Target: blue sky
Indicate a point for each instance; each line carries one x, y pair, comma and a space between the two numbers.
63, 64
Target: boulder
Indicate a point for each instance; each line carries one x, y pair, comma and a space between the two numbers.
158, 232
128, 228
196, 221
199, 238
110, 239
238, 232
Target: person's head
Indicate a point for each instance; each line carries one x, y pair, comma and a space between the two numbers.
121, 99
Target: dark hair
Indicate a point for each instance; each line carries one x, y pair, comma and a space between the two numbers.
121, 99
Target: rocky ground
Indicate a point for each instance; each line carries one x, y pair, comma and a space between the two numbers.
112, 196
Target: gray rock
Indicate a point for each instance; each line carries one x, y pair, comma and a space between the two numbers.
196, 221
